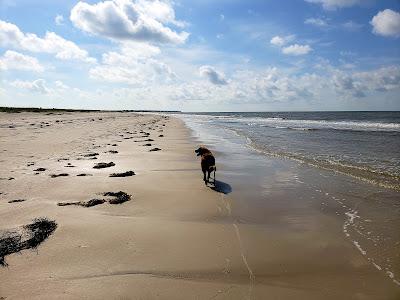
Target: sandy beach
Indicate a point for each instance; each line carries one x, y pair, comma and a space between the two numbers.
175, 238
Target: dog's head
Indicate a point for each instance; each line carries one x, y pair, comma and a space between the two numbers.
201, 150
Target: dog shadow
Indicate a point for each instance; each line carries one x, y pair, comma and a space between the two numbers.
221, 187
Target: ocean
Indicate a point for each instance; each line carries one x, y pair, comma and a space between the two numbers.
300, 166
365, 145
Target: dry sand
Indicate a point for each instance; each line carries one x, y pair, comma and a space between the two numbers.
175, 239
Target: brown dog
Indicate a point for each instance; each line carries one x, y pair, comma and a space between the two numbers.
207, 163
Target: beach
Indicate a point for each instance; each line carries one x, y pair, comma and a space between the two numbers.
270, 228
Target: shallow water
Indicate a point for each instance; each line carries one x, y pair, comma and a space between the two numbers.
300, 196
365, 145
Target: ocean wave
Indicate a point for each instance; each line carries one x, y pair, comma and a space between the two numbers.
364, 173
301, 124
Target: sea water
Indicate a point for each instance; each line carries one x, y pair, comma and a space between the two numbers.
353, 170
365, 145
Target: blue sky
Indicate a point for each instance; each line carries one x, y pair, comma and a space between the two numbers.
201, 55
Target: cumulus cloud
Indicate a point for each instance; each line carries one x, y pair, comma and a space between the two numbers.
352, 26
134, 64
359, 84
297, 50
214, 76
334, 4
381, 80
138, 20
38, 85
60, 85
281, 40
316, 22
12, 60
386, 23
345, 83
11, 36
59, 20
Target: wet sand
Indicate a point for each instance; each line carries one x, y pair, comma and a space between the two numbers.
175, 238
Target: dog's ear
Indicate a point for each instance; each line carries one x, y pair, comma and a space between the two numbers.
198, 151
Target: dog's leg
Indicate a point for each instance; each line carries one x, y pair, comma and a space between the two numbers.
208, 177
214, 175
204, 177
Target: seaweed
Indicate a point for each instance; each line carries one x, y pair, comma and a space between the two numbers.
90, 203
124, 174
103, 165
29, 236
119, 197
59, 175
16, 200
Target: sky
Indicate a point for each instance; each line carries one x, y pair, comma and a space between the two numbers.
201, 55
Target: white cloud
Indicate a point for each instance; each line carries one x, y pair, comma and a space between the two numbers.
214, 76
12, 36
346, 84
386, 23
38, 85
297, 50
316, 22
129, 20
281, 40
134, 64
60, 85
221, 17
59, 20
360, 84
382, 79
352, 26
12, 60
334, 4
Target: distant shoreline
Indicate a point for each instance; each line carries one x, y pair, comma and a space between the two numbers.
39, 109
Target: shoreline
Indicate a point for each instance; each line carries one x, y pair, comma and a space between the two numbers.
176, 238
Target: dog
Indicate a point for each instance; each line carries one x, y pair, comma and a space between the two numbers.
207, 163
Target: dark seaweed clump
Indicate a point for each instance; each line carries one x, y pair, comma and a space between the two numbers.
16, 200
30, 236
124, 174
91, 154
59, 175
90, 203
119, 197
103, 165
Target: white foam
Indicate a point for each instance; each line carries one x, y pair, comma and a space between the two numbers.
377, 266
363, 252
352, 215
301, 124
